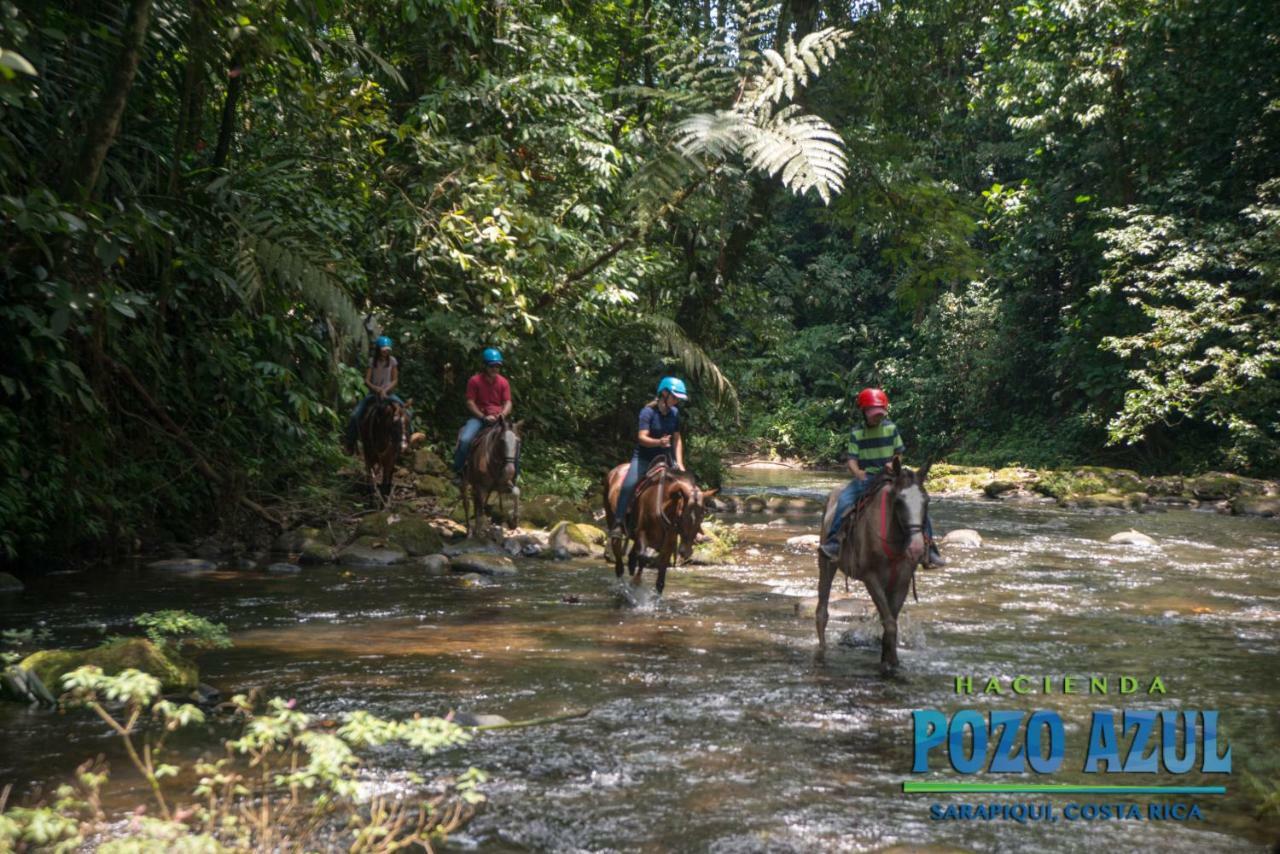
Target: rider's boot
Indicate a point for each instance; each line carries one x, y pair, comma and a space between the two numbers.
831, 547
933, 557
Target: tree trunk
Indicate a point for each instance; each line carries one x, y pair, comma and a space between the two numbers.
101, 133
226, 131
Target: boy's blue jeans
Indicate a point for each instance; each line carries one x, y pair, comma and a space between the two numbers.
353, 423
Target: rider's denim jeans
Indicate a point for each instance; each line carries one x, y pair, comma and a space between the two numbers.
468, 435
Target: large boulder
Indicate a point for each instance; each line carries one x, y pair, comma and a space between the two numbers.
433, 564
312, 545
1219, 486
284, 568
371, 552
426, 461
716, 544
412, 533
434, 485
564, 543
9, 584
997, 488
174, 672
543, 511
483, 564
1256, 505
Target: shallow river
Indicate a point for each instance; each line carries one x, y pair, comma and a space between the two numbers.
714, 727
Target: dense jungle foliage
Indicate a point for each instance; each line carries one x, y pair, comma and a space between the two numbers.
1051, 230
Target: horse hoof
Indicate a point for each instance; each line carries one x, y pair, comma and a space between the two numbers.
887, 669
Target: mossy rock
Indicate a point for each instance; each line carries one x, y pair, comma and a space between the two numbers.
426, 461
1100, 501
753, 504
435, 485
587, 535
315, 551
412, 533
1217, 486
174, 672
371, 551
9, 584
1166, 486
996, 488
544, 511
1256, 505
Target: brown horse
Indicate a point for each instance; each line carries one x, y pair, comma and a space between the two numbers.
668, 510
882, 543
383, 432
491, 467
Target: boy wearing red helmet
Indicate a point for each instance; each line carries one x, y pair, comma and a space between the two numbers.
871, 446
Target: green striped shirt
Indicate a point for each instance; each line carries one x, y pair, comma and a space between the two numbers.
872, 447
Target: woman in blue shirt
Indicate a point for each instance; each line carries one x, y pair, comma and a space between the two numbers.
658, 435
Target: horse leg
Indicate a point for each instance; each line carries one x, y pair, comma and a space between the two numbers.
826, 574
633, 561
888, 622
466, 507
664, 561
897, 598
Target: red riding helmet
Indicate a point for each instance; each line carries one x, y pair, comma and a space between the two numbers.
870, 397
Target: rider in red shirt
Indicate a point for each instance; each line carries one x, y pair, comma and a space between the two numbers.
488, 399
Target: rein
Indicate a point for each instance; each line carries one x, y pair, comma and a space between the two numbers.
893, 555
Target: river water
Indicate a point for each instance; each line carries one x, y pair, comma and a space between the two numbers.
713, 725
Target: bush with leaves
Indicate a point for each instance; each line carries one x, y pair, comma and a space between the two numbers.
286, 782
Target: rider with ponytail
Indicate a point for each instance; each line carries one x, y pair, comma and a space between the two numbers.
658, 435
381, 378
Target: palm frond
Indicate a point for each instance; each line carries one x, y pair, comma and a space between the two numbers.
675, 342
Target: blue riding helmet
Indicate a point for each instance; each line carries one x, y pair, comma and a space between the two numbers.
675, 385
492, 356
383, 341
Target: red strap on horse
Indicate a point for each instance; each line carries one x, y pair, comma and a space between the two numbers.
889, 552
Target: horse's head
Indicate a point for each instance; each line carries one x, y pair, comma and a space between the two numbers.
691, 516
910, 504
392, 419
509, 439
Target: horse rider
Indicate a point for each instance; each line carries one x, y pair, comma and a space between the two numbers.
871, 445
488, 399
658, 435
381, 378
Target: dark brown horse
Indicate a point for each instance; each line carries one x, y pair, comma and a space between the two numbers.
384, 431
491, 467
667, 511
882, 544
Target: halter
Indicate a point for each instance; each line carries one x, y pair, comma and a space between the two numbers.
893, 555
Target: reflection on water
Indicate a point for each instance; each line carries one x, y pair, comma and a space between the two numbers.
713, 726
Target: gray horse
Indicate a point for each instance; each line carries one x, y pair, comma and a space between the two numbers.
881, 545
491, 467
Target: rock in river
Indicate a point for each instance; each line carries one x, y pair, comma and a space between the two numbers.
183, 565
485, 564
371, 551
9, 584
963, 537
1131, 538
804, 542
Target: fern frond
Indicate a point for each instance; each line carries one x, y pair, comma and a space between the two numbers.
714, 134
675, 342
782, 73
274, 259
804, 150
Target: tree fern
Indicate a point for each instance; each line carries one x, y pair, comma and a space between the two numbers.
673, 341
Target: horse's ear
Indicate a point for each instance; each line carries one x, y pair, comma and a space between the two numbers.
707, 493
518, 427
923, 474
895, 467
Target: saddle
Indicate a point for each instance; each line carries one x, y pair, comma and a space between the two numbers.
649, 480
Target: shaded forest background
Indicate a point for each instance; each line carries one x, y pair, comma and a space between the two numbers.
1057, 239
